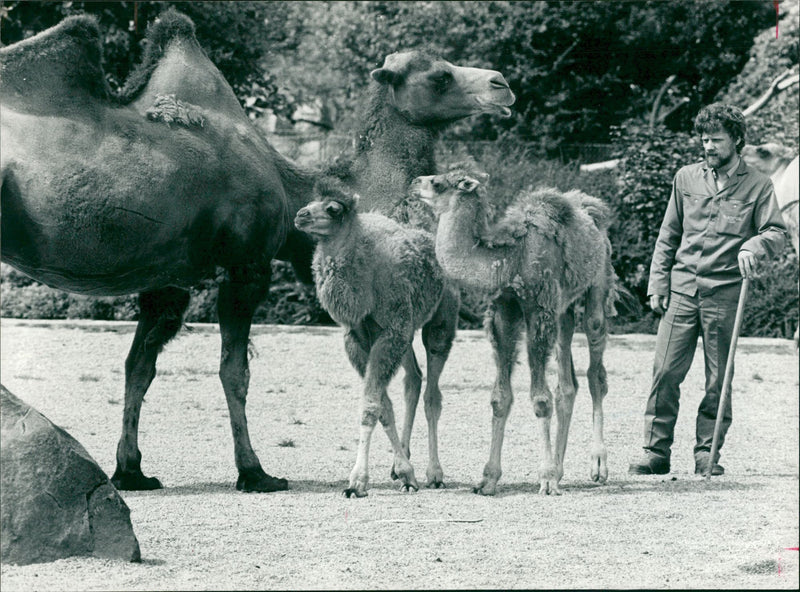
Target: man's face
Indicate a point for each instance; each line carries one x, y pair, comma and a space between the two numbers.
719, 147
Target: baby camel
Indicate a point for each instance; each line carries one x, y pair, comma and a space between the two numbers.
381, 282
550, 250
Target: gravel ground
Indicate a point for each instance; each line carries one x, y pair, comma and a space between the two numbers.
674, 531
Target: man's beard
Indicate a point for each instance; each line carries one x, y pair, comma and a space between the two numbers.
717, 162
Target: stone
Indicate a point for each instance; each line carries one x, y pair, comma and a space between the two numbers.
56, 500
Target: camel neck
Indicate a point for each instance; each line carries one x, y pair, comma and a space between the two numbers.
458, 250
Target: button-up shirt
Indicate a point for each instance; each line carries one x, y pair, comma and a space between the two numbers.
704, 229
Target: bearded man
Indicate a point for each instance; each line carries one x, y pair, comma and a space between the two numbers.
721, 222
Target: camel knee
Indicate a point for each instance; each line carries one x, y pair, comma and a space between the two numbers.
370, 414
542, 406
501, 403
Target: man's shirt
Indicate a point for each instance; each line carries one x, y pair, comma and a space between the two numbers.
704, 229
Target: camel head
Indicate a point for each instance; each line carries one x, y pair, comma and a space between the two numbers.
445, 192
332, 208
427, 90
767, 158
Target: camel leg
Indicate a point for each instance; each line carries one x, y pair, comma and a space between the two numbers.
412, 388
437, 336
542, 333
160, 318
384, 359
594, 325
567, 386
403, 468
236, 304
503, 325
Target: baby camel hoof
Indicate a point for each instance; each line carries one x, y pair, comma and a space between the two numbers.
408, 488
486, 488
134, 481
352, 491
436, 484
549, 488
257, 481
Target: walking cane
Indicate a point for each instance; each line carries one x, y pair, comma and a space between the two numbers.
726, 382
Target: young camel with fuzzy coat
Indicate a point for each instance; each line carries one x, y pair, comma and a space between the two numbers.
549, 251
381, 282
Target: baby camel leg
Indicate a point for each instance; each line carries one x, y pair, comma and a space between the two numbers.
412, 388
382, 363
596, 334
437, 336
503, 325
567, 386
542, 333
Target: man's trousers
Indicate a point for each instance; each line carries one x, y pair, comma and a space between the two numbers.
686, 318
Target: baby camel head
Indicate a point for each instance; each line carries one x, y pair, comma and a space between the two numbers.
445, 192
332, 208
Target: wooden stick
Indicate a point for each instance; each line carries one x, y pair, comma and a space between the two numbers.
726, 382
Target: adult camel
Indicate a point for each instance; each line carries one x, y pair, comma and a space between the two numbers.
156, 189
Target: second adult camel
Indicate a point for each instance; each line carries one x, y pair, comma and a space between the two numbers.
168, 184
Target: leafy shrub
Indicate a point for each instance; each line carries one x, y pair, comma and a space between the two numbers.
772, 302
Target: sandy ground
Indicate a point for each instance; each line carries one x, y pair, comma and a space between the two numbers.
674, 531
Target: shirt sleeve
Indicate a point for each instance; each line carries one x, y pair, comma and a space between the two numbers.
669, 239
769, 224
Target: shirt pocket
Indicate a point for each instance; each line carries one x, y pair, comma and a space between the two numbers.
734, 217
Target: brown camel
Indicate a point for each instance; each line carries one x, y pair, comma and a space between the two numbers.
150, 192
548, 252
381, 282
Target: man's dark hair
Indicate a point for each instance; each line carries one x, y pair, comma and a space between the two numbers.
722, 116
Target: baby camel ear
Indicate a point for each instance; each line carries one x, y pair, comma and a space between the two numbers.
467, 185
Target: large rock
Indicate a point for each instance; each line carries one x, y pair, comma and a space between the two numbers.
56, 501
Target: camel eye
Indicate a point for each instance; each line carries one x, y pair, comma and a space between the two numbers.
438, 186
441, 80
334, 209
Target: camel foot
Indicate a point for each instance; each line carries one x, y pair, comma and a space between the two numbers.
409, 487
599, 471
486, 487
134, 481
256, 480
353, 492
436, 484
549, 487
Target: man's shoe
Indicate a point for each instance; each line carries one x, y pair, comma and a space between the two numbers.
650, 465
701, 465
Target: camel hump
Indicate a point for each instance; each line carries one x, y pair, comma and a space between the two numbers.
58, 70
175, 64
597, 209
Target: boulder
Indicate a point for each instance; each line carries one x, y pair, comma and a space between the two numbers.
56, 501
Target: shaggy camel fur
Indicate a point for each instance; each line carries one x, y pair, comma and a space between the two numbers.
154, 190
550, 251
381, 282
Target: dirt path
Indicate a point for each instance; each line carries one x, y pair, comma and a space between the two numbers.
674, 531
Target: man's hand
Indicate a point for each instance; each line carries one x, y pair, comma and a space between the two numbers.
659, 303
747, 264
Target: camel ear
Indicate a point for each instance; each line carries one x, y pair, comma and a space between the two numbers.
386, 76
467, 185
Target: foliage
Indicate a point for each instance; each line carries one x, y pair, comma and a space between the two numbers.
777, 120
772, 303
